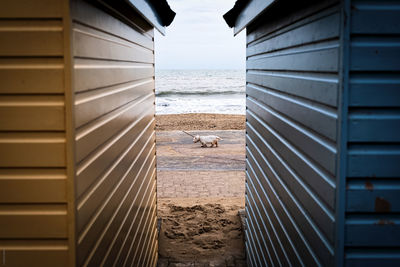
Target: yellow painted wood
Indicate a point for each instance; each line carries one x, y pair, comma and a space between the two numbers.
90, 43
33, 186
33, 221
93, 104
30, 9
90, 74
30, 38
31, 75
31, 252
32, 113
32, 150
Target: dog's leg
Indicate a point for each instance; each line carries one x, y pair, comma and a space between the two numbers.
216, 143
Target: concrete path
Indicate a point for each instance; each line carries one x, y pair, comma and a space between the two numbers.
186, 170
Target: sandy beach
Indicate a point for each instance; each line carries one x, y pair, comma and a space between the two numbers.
200, 191
200, 121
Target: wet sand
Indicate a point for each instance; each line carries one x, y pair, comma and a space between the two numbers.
200, 121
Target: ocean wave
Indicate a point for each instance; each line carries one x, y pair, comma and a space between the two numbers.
202, 93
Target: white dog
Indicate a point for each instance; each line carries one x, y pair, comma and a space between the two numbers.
208, 139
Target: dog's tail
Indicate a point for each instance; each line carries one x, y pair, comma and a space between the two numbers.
219, 138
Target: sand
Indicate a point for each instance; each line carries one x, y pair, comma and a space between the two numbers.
202, 231
200, 121
198, 231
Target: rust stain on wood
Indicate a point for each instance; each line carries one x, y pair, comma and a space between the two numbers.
382, 205
369, 186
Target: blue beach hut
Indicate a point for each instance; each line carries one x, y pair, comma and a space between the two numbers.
323, 132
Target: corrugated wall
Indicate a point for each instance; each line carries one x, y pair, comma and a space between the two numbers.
292, 118
115, 140
33, 174
372, 229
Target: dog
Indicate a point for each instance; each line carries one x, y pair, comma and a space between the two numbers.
208, 139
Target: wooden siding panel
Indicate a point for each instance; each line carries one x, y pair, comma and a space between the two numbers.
34, 227
35, 253
31, 9
33, 185
35, 76
32, 150
99, 131
92, 74
115, 139
321, 88
92, 104
292, 117
372, 189
321, 58
86, 14
32, 113
91, 43
31, 38
33, 221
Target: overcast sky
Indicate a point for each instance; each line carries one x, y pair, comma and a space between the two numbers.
199, 38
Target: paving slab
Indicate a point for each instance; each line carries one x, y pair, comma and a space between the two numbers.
185, 169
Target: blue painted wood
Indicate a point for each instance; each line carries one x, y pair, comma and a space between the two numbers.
323, 135
372, 231
373, 195
366, 125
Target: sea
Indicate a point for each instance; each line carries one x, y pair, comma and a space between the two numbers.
200, 91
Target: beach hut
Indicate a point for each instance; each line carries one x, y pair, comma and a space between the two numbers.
323, 131
77, 141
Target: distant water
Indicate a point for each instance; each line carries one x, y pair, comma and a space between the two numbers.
200, 91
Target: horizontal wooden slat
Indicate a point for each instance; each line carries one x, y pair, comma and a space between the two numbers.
262, 229
33, 221
280, 216
372, 125
373, 160
92, 74
317, 148
373, 195
86, 14
30, 113
93, 104
372, 53
372, 257
31, 76
374, 18
321, 119
36, 253
323, 29
92, 135
320, 181
134, 220
31, 38
89, 43
374, 89
106, 184
88, 171
297, 196
318, 87
108, 211
32, 150
33, 186
31, 9
319, 57
133, 205
372, 230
